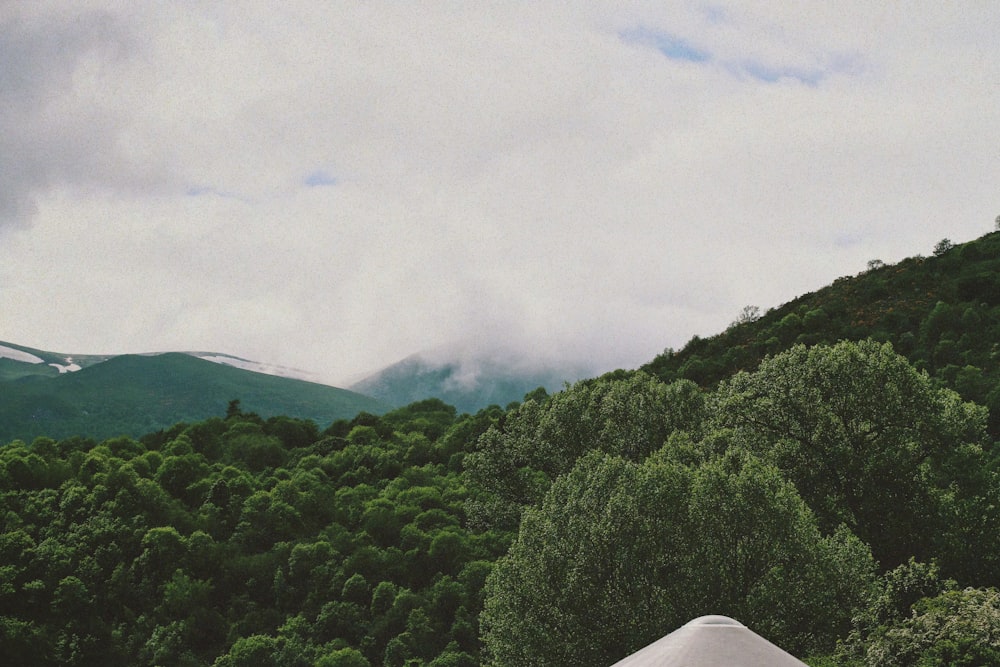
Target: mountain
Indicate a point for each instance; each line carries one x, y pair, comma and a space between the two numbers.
41, 362
942, 312
468, 382
58, 395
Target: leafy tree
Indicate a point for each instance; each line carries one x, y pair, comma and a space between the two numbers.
514, 464
943, 246
619, 553
293, 433
163, 548
248, 444
345, 657
953, 628
22, 642
452, 657
233, 409
871, 442
889, 605
252, 651
747, 314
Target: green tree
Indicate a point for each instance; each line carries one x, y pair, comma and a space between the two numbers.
620, 553
943, 246
252, 651
514, 464
163, 549
747, 315
889, 605
871, 442
22, 642
345, 657
953, 628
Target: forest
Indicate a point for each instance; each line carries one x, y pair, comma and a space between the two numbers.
825, 472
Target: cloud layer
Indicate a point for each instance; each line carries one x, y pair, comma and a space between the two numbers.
337, 186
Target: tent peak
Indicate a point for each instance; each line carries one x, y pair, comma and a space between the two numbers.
715, 619
711, 641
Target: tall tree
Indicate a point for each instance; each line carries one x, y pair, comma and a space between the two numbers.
620, 553
871, 442
630, 415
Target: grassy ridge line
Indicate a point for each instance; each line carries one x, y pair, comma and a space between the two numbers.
136, 394
49, 357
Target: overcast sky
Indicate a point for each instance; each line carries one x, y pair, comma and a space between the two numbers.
337, 185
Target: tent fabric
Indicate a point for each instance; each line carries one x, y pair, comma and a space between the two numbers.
711, 641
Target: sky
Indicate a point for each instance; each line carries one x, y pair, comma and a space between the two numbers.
338, 185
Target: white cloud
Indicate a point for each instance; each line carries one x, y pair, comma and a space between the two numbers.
338, 186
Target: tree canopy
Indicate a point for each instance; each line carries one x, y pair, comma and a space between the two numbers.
870, 442
244, 541
619, 553
839, 497
778, 501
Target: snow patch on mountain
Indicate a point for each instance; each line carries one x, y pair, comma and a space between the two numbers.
257, 367
19, 355
65, 363
69, 367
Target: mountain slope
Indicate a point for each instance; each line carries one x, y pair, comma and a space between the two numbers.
136, 394
469, 385
20, 361
941, 312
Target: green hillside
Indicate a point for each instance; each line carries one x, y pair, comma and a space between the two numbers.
941, 312
137, 394
11, 369
828, 522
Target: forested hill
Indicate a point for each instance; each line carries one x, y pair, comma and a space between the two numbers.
941, 312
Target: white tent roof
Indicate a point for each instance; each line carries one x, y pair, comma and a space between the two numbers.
711, 641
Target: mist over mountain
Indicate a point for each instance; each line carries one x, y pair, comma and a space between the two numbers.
469, 381
59, 395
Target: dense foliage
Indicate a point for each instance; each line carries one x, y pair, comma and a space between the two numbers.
871, 443
245, 542
764, 499
836, 498
619, 551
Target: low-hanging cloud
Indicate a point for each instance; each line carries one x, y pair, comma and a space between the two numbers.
338, 187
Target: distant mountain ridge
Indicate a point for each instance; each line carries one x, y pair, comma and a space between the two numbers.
58, 395
942, 312
73, 362
100, 396
32, 361
470, 383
